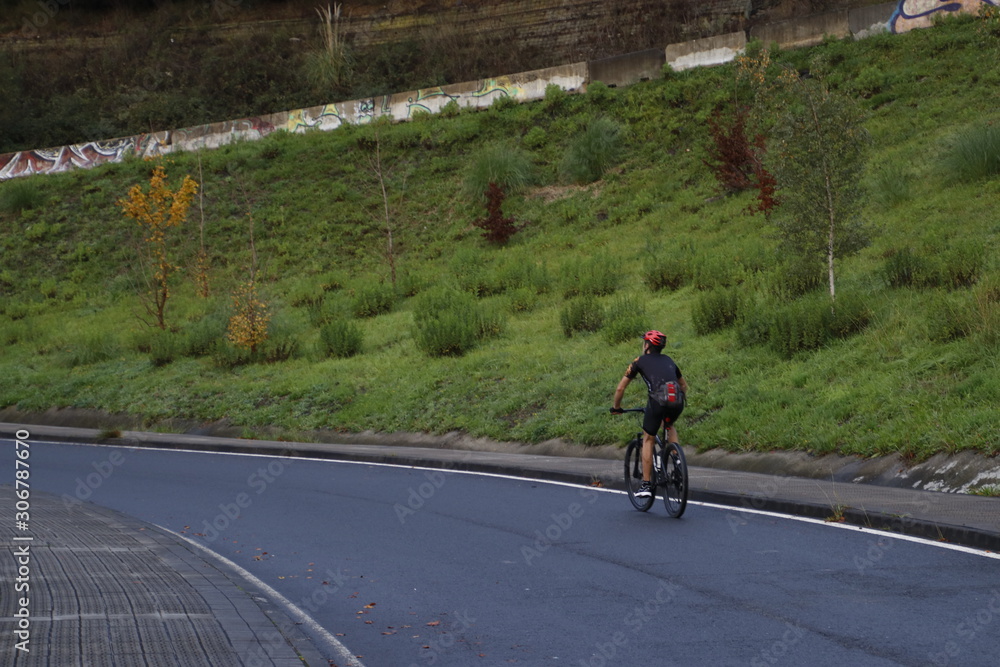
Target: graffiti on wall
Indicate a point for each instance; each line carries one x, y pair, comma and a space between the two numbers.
911, 14
398, 107
325, 117
500, 87
85, 155
430, 100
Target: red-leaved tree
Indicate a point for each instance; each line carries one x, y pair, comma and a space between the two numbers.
496, 228
737, 162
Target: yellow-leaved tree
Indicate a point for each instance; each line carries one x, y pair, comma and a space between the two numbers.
251, 314
157, 211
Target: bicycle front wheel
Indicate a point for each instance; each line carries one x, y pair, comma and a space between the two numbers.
633, 476
675, 478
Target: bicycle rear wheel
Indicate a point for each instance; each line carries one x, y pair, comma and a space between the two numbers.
633, 476
675, 480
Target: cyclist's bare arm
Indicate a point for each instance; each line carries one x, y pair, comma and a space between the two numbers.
620, 391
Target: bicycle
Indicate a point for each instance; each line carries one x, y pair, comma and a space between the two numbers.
669, 472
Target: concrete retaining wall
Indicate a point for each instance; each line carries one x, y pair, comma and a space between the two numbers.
526, 86
522, 87
707, 51
870, 20
628, 69
803, 32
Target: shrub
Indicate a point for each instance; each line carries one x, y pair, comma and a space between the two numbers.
596, 276
304, 293
799, 326
715, 309
536, 137
796, 277
955, 267
331, 281
17, 310
445, 322
753, 324
201, 336
93, 347
227, 355
593, 152
555, 98
13, 333
49, 288
283, 339
599, 93
581, 314
973, 154
986, 312
374, 299
904, 268
523, 272
810, 323
891, 184
625, 320
949, 317
713, 270
448, 334
661, 271
491, 321
341, 338
475, 272
963, 264
523, 299
165, 347
282, 343
21, 194
850, 315
331, 307
507, 167
410, 283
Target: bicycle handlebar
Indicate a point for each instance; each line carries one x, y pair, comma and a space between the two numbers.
631, 410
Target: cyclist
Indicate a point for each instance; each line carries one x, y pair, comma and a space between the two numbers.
657, 369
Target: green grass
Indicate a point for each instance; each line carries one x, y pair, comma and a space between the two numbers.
913, 370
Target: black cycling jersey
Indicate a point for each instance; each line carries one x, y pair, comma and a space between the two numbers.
655, 368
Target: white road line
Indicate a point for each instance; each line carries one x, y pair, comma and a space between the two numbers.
341, 652
727, 508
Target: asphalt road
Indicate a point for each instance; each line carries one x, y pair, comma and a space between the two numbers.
416, 567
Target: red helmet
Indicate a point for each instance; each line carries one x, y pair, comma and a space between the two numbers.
655, 338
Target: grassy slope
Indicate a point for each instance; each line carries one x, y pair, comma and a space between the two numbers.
71, 338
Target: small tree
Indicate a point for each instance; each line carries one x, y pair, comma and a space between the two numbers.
249, 323
818, 154
497, 172
202, 262
373, 149
157, 212
496, 228
738, 162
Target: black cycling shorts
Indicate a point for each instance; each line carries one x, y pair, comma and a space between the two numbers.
656, 414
